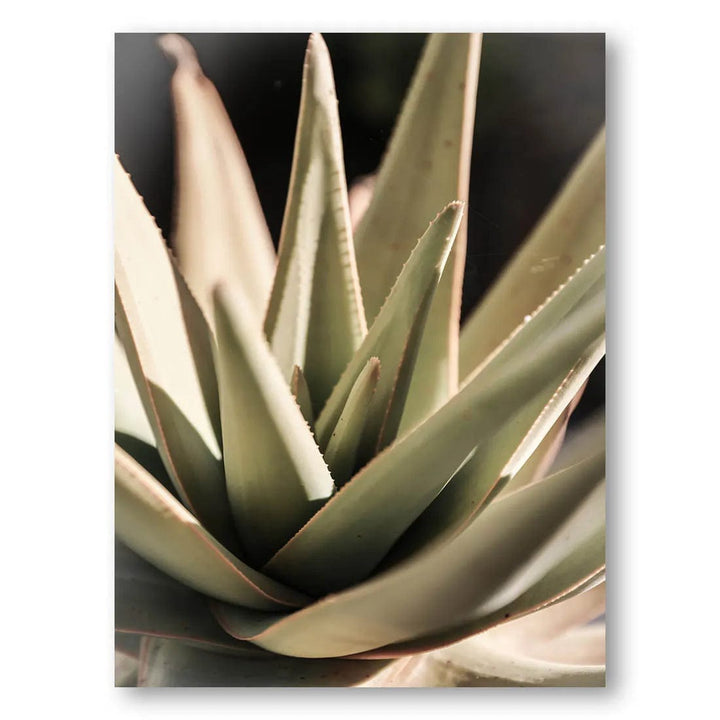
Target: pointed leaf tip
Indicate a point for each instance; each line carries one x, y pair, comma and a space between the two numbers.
177, 48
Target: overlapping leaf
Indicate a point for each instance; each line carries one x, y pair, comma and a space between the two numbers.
572, 229
346, 540
276, 476
220, 234
315, 317
150, 521
394, 339
427, 165
168, 348
510, 549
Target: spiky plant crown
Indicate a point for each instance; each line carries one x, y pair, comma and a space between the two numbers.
312, 461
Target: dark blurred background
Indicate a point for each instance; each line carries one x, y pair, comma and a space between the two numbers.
541, 99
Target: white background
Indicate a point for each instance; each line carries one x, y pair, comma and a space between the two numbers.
56, 323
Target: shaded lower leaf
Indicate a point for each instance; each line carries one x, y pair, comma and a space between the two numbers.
150, 603
515, 548
167, 663
156, 526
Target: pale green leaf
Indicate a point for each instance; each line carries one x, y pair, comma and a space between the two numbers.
130, 416
149, 602
497, 460
349, 536
168, 347
315, 317
572, 229
512, 548
301, 393
151, 522
426, 166
582, 569
166, 663
276, 476
394, 339
220, 233
542, 458
342, 448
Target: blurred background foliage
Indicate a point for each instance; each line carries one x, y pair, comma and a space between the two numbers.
541, 99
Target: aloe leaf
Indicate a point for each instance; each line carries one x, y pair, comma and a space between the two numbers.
544, 455
167, 663
151, 522
531, 634
126, 670
276, 476
301, 393
497, 461
572, 229
149, 602
512, 547
427, 165
220, 233
584, 440
477, 663
584, 645
576, 573
130, 416
394, 339
349, 536
342, 448
168, 347
315, 317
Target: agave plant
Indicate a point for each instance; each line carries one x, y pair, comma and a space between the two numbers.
321, 480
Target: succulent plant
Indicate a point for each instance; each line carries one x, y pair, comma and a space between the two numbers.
321, 480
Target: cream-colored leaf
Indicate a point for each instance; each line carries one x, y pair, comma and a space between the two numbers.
168, 347
130, 416
220, 233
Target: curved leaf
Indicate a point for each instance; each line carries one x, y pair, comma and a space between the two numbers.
315, 317
220, 234
168, 348
151, 522
167, 663
342, 448
510, 550
572, 229
427, 165
150, 603
497, 460
475, 663
301, 393
276, 476
349, 536
130, 416
394, 339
